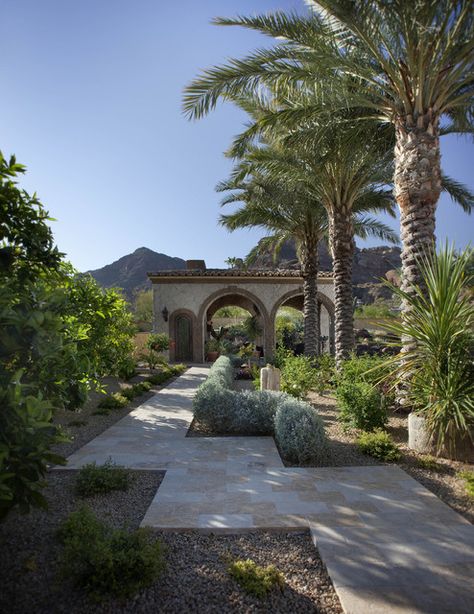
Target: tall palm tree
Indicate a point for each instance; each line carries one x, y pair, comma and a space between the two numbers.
408, 64
306, 198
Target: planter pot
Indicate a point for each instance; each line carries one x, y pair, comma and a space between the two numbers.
212, 356
420, 441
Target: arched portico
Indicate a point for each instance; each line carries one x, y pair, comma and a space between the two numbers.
184, 301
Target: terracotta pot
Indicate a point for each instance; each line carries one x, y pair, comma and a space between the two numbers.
212, 356
420, 440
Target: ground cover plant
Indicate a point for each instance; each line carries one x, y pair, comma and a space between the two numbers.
254, 579
96, 479
468, 477
378, 444
106, 561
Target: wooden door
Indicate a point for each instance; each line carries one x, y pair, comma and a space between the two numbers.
184, 338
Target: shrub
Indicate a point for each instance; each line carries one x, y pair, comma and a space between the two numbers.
379, 445
362, 406
127, 369
105, 561
152, 359
215, 407
113, 401
298, 376
221, 373
299, 432
325, 373
158, 342
129, 393
96, 479
254, 411
254, 579
368, 369
144, 386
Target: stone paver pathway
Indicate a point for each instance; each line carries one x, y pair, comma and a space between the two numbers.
389, 544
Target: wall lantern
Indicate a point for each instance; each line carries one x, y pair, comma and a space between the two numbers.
164, 313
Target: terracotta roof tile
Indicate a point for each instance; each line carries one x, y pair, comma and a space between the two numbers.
234, 273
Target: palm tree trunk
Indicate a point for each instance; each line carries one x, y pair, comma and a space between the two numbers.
342, 247
417, 189
309, 269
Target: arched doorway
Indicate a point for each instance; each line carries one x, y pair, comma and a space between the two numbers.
182, 335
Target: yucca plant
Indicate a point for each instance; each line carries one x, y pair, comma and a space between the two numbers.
439, 366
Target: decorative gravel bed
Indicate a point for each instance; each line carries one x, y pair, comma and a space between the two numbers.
440, 477
95, 424
196, 578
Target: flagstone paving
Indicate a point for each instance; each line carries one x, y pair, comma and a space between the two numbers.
388, 543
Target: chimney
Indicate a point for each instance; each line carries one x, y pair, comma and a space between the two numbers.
195, 265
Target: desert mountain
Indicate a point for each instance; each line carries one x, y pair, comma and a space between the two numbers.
370, 265
129, 272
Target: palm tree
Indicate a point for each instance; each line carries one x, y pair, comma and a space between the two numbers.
406, 64
327, 192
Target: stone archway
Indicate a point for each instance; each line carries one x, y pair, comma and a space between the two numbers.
195, 290
294, 298
235, 296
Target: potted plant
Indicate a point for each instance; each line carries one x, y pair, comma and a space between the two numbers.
213, 349
437, 375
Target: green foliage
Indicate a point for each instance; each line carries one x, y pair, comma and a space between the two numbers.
298, 376
299, 432
289, 327
114, 401
368, 369
252, 327
254, 579
280, 356
32, 344
143, 306
106, 561
325, 366
468, 477
439, 366
158, 342
362, 406
379, 445
375, 311
106, 320
168, 372
231, 311
426, 461
96, 479
152, 359
127, 369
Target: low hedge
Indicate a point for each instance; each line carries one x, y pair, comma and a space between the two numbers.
298, 430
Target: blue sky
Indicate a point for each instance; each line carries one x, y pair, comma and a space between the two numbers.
91, 105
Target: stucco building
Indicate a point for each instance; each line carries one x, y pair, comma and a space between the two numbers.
184, 301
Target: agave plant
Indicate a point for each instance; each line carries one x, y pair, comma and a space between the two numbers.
440, 365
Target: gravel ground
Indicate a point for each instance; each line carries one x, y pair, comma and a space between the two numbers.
195, 580
440, 477
81, 434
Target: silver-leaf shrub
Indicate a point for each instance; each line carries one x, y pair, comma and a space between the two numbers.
299, 432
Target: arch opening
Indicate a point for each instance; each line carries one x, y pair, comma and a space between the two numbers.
233, 321
287, 316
